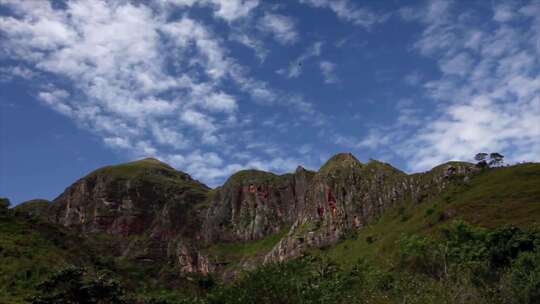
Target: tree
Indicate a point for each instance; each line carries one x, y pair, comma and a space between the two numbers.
481, 159
4, 204
485, 160
495, 159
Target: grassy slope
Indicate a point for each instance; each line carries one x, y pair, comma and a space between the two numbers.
230, 254
29, 251
509, 195
154, 171
35, 207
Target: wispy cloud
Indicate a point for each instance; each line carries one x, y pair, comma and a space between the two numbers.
145, 83
229, 10
488, 95
296, 66
348, 11
256, 45
328, 70
281, 27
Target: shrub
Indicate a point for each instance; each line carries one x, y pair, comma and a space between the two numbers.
523, 278
75, 285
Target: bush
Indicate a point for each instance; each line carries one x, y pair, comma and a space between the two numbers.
522, 282
307, 280
74, 285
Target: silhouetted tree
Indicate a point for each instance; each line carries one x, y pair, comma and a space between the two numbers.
481, 159
495, 159
485, 160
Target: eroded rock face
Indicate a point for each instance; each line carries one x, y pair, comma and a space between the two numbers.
148, 205
253, 204
347, 195
158, 213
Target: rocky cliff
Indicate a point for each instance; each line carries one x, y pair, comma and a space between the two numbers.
253, 204
345, 195
156, 213
151, 209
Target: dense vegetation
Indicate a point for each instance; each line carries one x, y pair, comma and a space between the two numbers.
468, 265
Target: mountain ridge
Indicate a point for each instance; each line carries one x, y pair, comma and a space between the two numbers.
177, 216
145, 215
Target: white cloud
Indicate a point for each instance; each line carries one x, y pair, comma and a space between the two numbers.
229, 10
281, 27
503, 12
145, 83
233, 9
221, 102
117, 142
487, 97
459, 64
56, 100
295, 67
328, 70
348, 11
257, 46
198, 120
9, 72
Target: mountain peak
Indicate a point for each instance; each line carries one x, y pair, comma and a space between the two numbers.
340, 160
250, 176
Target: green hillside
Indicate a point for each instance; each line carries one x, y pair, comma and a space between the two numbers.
30, 251
492, 198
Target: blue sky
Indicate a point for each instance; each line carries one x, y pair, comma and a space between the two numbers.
215, 86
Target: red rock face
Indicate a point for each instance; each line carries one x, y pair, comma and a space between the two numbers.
155, 206
252, 208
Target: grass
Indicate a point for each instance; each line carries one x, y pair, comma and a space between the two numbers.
29, 251
253, 176
35, 207
340, 160
228, 253
153, 171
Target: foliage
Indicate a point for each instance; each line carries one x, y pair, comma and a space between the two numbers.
485, 160
75, 285
523, 279
35, 207
4, 204
306, 280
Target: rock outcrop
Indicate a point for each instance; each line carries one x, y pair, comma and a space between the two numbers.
156, 213
149, 207
346, 195
253, 204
